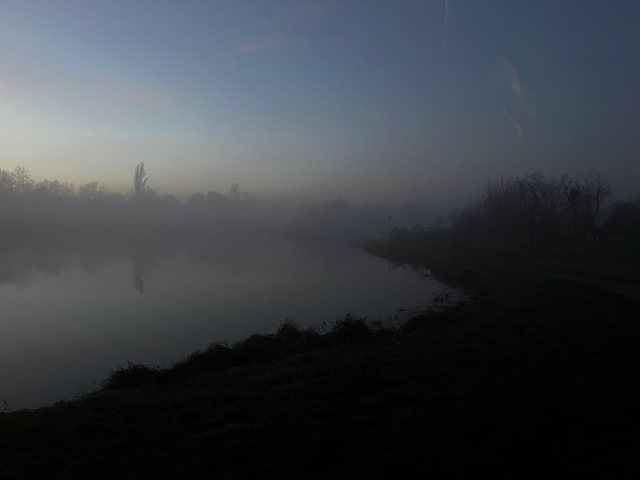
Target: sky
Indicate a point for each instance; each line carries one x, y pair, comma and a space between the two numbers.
365, 99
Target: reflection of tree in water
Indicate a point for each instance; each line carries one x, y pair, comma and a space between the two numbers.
50, 253
142, 256
18, 264
145, 250
139, 276
91, 262
91, 251
15, 267
51, 262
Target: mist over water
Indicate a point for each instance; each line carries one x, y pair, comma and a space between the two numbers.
71, 313
92, 279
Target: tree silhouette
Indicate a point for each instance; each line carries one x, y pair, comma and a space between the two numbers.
7, 183
624, 219
22, 179
236, 192
139, 182
91, 191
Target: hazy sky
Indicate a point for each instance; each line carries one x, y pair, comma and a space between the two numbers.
360, 98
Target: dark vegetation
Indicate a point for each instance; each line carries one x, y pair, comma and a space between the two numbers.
535, 378
555, 206
546, 217
289, 340
560, 224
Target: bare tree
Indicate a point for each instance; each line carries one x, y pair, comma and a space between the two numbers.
552, 203
235, 191
22, 180
624, 219
92, 191
596, 190
7, 183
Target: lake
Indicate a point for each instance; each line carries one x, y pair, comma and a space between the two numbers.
70, 313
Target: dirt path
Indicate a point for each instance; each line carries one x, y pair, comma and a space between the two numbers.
629, 292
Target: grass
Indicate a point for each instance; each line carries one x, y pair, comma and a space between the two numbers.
537, 377
289, 340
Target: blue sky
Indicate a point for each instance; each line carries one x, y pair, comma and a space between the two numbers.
365, 99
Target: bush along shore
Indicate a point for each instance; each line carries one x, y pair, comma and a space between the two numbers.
289, 340
537, 376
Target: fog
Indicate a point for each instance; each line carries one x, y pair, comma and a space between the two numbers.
90, 280
244, 154
56, 212
59, 208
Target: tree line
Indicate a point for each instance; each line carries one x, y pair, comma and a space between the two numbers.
24, 200
534, 212
555, 206
19, 183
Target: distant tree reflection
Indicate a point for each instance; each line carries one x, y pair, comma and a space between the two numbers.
139, 276
145, 250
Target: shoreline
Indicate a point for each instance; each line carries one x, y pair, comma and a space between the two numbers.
401, 289
535, 374
289, 340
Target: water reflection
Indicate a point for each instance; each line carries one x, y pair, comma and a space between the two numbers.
76, 315
19, 263
22, 258
139, 276
92, 253
143, 256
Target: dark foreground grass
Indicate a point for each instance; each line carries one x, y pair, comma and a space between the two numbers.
537, 378
289, 340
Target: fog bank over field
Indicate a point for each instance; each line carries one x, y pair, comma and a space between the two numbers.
56, 207
26, 204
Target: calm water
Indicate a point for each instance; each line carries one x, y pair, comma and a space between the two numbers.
68, 316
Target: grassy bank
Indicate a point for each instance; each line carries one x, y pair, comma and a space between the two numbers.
537, 377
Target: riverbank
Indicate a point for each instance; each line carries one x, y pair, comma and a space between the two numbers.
537, 375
